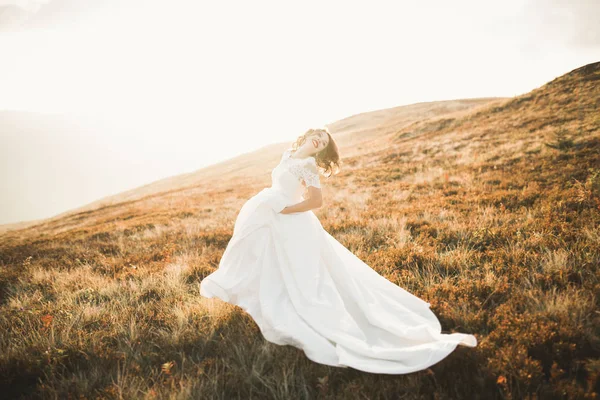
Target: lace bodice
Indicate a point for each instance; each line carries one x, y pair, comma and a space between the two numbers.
290, 179
304, 169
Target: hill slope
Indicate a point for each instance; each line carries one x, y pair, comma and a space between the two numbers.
491, 215
350, 132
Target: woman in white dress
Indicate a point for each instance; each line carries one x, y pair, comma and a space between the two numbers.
304, 288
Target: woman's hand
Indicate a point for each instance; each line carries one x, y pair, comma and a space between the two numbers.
284, 211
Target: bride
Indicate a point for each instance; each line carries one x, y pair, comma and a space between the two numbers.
304, 288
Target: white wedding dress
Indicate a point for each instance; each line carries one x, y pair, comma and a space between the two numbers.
304, 288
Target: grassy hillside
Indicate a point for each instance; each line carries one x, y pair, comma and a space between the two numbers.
356, 134
488, 209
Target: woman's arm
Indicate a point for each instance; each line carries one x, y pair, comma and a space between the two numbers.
314, 201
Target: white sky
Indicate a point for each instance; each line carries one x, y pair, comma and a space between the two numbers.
185, 84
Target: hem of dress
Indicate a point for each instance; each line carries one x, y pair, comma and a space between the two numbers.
206, 292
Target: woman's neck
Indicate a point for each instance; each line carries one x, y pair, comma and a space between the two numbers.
299, 155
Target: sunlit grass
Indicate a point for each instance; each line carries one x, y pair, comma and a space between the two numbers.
493, 217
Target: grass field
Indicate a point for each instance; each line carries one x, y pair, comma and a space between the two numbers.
489, 211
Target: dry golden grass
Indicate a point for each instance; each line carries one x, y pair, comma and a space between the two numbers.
489, 210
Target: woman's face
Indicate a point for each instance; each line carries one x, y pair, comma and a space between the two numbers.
316, 142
